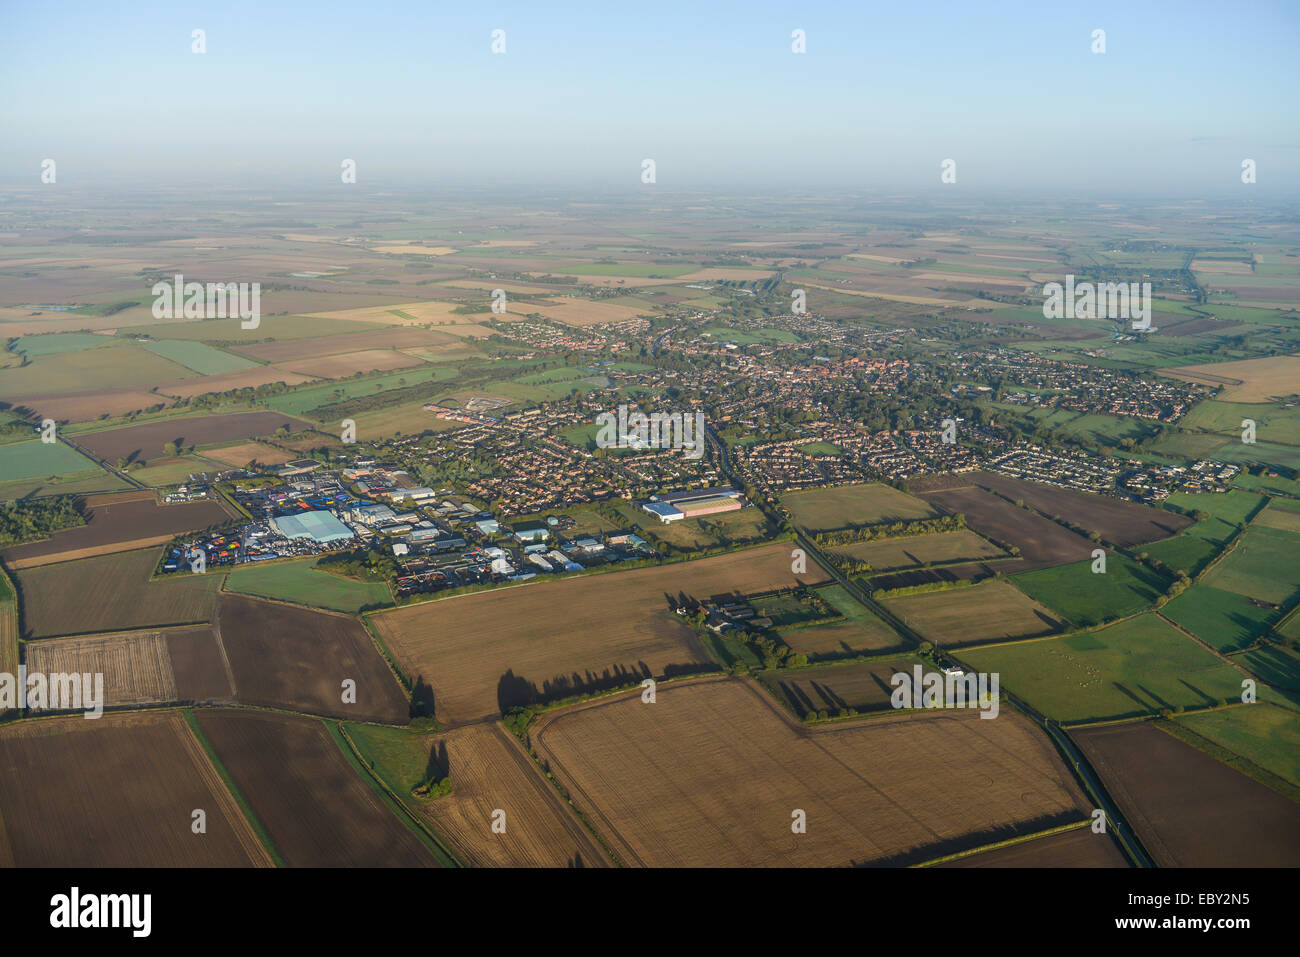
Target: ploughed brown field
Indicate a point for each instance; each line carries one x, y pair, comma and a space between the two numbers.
712, 772
1077, 848
141, 668
286, 656
486, 653
1188, 809
318, 811
144, 442
490, 771
1115, 520
117, 791
1041, 541
117, 523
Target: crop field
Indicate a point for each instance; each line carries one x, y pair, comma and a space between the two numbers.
989, 611
110, 593
238, 456
483, 654
136, 666
1188, 809
37, 459
1116, 520
318, 810
298, 581
402, 339
147, 441
1077, 848
488, 771
148, 775
860, 632
1264, 734
659, 782
823, 509
86, 406
1041, 541
118, 523
199, 356
1223, 619
916, 550
856, 686
1132, 668
284, 656
113, 366
1085, 597
348, 363
226, 381
1248, 380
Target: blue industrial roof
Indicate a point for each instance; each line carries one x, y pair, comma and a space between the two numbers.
318, 526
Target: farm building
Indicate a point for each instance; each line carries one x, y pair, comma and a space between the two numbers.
321, 527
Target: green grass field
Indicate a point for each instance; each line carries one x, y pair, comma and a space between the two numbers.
53, 343
1220, 618
298, 581
819, 448
1265, 734
1195, 547
1087, 598
309, 397
37, 459
1263, 565
1134, 667
915, 550
1272, 422
1274, 665
199, 357
1233, 507
398, 755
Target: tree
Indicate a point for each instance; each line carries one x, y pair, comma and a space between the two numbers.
170, 449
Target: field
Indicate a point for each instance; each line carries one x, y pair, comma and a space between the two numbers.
853, 686
1263, 565
402, 339
1087, 598
989, 611
1041, 541
823, 509
860, 632
146, 441
148, 775
1264, 734
295, 658
1117, 521
118, 523
1249, 380
237, 456
483, 654
1224, 619
488, 771
348, 363
136, 666
37, 459
198, 356
1187, 809
659, 781
914, 550
1077, 848
110, 593
317, 809
298, 581
1135, 667
1195, 548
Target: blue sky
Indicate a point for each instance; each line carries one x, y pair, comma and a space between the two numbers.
710, 91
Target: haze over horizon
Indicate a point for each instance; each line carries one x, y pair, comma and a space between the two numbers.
714, 95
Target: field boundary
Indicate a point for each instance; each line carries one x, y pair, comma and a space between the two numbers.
1009, 842
1238, 762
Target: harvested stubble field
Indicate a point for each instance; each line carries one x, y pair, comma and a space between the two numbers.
989, 611
1041, 541
110, 593
483, 654
147, 441
285, 656
237, 456
318, 810
844, 506
1246, 380
1188, 809
1115, 520
660, 781
1077, 848
348, 363
488, 771
403, 339
858, 685
116, 792
118, 523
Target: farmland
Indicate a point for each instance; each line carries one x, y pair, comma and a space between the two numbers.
488, 771
897, 553
318, 810
989, 611
149, 774
27, 460
1224, 619
483, 654
1085, 597
1265, 734
1262, 566
144, 442
1077, 848
1135, 667
854, 686
112, 593
853, 505
118, 523
659, 783
295, 658
298, 581
1249, 380
1175, 798
1041, 541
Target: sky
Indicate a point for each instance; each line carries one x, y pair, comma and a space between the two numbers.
712, 92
